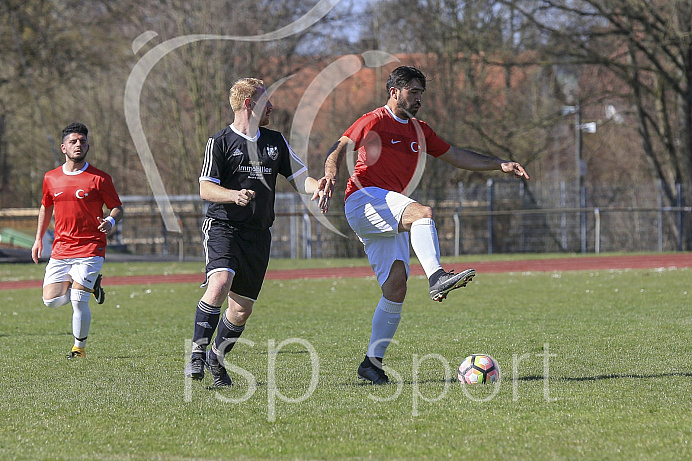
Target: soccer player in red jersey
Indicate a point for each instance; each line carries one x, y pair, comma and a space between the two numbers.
76, 193
390, 143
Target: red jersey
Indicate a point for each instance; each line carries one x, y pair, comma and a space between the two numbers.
389, 149
78, 199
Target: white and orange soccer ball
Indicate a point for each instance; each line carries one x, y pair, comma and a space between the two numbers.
478, 369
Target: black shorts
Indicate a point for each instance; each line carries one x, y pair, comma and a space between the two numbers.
243, 251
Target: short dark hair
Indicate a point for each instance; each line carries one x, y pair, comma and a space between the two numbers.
75, 128
401, 77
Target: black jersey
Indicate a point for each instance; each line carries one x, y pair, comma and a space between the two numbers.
235, 161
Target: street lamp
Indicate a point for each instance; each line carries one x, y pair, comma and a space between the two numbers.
589, 127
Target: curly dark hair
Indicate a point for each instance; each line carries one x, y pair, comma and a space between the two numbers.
401, 77
75, 128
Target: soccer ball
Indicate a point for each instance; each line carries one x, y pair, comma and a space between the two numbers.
478, 369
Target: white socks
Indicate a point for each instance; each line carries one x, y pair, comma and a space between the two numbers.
384, 324
81, 316
425, 245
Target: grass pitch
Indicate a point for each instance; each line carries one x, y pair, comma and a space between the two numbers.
595, 365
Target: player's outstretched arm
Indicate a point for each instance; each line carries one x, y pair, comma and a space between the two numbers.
470, 160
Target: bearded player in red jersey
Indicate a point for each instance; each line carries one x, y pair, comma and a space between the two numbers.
77, 192
390, 142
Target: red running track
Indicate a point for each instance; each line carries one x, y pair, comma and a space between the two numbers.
652, 261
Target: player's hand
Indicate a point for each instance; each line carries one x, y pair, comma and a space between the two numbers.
104, 226
325, 186
317, 195
243, 197
36, 250
515, 168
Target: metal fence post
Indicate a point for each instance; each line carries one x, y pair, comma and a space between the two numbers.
490, 215
459, 247
582, 217
292, 220
165, 237
660, 215
308, 236
678, 189
318, 239
597, 230
457, 233
563, 216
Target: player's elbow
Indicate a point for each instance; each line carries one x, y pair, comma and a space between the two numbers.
204, 190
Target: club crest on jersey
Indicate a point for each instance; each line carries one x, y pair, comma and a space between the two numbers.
272, 152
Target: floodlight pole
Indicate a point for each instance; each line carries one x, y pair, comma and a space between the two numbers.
581, 171
580, 165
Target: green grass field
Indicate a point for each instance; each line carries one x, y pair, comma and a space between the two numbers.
595, 365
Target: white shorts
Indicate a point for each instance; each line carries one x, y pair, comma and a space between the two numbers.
81, 270
374, 215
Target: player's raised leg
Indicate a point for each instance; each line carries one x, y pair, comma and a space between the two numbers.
418, 219
56, 283
56, 294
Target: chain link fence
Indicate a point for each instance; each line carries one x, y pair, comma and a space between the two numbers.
480, 218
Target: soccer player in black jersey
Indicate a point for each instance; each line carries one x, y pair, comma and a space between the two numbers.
238, 177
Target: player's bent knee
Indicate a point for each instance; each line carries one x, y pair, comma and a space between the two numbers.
220, 281
51, 302
218, 287
57, 301
414, 212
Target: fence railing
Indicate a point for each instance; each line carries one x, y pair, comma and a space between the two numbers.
584, 231
477, 229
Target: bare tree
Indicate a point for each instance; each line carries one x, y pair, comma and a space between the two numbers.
486, 93
70, 60
647, 46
